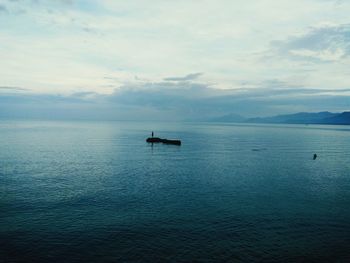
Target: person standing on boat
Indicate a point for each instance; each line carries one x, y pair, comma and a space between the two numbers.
152, 134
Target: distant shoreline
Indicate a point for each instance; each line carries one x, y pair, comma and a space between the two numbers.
307, 118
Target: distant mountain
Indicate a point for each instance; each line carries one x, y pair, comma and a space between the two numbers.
341, 118
324, 117
297, 118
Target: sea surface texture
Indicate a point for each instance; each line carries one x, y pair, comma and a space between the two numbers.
97, 192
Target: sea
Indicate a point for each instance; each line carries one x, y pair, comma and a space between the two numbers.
80, 191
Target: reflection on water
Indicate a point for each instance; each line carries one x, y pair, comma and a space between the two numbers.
97, 192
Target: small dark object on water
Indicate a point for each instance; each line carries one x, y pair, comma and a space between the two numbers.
258, 149
165, 141
315, 156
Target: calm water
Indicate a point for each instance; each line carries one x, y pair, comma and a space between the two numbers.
97, 192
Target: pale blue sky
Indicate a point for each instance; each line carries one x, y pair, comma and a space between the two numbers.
189, 52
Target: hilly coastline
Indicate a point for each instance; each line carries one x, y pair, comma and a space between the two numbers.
324, 117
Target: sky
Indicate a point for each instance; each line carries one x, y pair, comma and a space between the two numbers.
161, 59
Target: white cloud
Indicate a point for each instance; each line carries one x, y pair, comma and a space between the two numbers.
64, 47
324, 55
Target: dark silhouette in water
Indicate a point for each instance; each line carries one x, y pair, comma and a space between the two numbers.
315, 156
165, 141
258, 149
152, 134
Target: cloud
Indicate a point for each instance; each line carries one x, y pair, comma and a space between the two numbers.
325, 43
3, 9
189, 100
62, 47
185, 78
84, 94
7, 88
180, 100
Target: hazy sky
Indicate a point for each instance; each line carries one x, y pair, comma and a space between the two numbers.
193, 58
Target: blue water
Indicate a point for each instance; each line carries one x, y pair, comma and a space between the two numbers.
97, 192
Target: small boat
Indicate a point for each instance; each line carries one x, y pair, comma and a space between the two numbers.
165, 141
